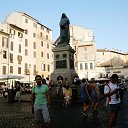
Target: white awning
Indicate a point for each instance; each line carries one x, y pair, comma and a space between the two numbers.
10, 76
2, 81
102, 79
23, 81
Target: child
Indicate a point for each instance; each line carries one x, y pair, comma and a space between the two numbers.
67, 93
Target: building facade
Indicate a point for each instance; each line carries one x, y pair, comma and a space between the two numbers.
26, 50
111, 61
82, 41
95, 63
29, 47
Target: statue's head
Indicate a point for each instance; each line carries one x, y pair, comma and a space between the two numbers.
63, 15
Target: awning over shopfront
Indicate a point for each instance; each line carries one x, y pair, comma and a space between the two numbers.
10, 79
102, 79
121, 76
24, 81
10, 76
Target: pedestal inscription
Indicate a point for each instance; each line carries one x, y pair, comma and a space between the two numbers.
61, 64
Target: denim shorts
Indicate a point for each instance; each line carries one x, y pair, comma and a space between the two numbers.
44, 110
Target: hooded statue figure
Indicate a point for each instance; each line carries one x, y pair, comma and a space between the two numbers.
64, 29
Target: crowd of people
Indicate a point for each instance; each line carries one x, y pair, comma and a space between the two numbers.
90, 95
3, 90
15, 92
41, 96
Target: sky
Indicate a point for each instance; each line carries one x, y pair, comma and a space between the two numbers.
108, 19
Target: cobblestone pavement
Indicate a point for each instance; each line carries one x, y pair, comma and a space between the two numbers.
18, 115
15, 115
123, 115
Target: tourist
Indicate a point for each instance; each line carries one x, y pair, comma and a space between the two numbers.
94, 95
85, 97
67, 93
112, 91
41, 100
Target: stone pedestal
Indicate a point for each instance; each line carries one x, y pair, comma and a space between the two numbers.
63, 62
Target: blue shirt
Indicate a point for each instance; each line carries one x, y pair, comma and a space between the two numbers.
83, 92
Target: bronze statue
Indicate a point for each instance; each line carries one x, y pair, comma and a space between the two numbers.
64, 29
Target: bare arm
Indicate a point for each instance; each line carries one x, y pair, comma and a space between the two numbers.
111, 93
33, 98
108, 94
95, 87
71, 92
48, 97
86, 89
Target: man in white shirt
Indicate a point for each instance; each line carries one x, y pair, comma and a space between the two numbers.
114, 99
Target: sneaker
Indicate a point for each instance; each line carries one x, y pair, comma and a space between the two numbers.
84, 114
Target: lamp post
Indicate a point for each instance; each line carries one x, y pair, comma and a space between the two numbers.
29, 72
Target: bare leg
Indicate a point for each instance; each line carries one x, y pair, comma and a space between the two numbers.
112, 119
86, 107
95, 106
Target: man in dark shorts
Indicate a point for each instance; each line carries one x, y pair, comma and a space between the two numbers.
114, 100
